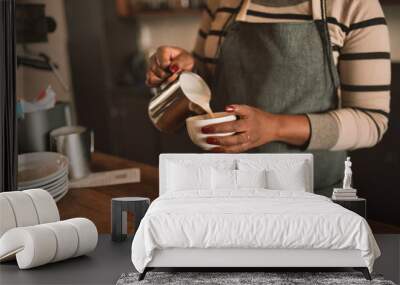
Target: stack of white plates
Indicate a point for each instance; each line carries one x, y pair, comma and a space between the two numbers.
45, 170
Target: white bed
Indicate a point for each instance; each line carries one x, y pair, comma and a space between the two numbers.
202, 220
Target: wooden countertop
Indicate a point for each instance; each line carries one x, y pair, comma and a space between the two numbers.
95, 203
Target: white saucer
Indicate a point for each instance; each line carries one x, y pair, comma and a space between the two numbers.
40, 168
60, 196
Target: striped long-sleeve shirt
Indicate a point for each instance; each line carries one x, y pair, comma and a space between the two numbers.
361, 50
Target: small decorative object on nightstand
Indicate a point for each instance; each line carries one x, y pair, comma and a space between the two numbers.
347, 192
347, 196
119, 214
357, 205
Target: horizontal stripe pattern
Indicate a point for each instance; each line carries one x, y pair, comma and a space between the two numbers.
230, 10
365, 56
355, 26
378, 130
208, 11
217, 33
330, 20
381, 112
223, 9
279, 16
368, 23
207, 60
203, 34
334, 21
365, 88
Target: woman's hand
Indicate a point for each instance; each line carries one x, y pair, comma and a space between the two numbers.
255, 128
165, 63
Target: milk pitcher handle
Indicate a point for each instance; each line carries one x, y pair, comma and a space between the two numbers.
165, 84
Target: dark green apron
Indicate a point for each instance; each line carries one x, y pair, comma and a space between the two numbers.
282, 68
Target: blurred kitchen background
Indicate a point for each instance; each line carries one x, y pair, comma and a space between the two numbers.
90, 56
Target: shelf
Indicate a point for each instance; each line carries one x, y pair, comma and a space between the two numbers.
166, 13
125, 9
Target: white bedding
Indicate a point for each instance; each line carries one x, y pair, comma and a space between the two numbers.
251, 218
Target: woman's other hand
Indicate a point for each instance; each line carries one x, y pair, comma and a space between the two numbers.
255, 128
165, 63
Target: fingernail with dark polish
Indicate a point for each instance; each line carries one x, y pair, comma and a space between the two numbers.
230, 108
173, 68
212, 141
217, 149
206, 130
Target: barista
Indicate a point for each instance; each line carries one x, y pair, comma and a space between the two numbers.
275, 64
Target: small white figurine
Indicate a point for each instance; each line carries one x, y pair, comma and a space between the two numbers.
347, 192
347, 174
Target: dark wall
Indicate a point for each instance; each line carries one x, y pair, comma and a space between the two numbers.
377, 170
101, 46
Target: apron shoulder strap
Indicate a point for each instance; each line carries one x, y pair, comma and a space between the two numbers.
320, 11
317, 9
244, 6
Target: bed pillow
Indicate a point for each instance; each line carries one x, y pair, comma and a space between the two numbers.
193, 174
251, 178
223, 179
203, 162
291, 180
227, 179
280, 175
183, 178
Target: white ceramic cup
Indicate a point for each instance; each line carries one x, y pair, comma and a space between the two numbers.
195, 123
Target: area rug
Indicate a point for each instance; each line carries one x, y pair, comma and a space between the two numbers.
244, 278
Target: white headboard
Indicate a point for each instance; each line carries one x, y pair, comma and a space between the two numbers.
166, 157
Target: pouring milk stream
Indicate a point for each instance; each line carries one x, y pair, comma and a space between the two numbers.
175, 102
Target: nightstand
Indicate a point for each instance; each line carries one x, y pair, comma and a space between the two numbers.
119, 211
358, 206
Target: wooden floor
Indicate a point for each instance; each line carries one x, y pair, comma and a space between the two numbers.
95, 203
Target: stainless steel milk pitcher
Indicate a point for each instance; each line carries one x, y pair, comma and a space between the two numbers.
171, 104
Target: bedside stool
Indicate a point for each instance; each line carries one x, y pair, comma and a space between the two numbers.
358, 205
119, 214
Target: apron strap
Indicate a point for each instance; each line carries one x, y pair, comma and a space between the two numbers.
244, 6
328, 43
317, 10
